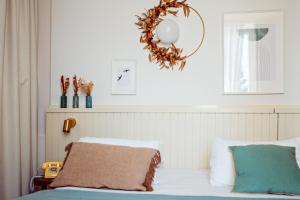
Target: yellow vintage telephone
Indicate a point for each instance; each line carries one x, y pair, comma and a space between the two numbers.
51, 169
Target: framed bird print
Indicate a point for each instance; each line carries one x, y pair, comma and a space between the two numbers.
253, 53
123, 77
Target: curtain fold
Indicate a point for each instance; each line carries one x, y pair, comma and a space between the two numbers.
18, 100
2, 36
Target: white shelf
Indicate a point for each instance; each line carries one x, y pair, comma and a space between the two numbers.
288, 109
166, 109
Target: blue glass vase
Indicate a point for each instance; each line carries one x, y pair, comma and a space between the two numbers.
88, 102
63, 101
76, 101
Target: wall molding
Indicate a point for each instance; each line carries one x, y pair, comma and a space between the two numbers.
166, 109
288, 109
276, 109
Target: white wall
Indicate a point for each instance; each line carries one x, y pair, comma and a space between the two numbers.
87, 35
43, 72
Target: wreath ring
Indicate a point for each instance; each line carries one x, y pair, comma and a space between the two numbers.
203, 32
147, 22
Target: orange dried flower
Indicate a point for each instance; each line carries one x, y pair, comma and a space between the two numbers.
147, 23
86, 87
75, 85
64, 85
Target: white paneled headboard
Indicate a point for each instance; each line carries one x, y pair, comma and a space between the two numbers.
288, 121
185, 132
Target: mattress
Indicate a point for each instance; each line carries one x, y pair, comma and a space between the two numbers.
186, 183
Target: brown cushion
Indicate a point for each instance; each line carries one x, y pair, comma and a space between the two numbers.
108, 166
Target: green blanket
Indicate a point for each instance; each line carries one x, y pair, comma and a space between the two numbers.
85, 195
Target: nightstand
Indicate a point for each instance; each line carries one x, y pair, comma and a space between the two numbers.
41, 183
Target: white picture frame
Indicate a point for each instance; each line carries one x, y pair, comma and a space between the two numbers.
123, 77
253, 53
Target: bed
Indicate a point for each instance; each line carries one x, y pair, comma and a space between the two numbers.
180, 177
173, 184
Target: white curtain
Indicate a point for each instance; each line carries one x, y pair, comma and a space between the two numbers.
232, 59
18, 99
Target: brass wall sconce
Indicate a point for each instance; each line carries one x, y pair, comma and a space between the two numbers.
68, 125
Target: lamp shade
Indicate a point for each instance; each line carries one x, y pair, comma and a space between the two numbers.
167, 31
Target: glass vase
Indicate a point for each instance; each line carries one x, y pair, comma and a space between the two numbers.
75, 101
88, 102
63, 101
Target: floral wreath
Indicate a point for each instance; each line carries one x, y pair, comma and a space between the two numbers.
166, 57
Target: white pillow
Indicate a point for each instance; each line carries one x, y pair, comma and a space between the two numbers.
222, 172
122, 142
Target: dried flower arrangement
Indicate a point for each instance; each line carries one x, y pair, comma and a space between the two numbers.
147, 22
75, 85
86, 87
64, 85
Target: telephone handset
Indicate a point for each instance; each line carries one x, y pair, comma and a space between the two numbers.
51, 169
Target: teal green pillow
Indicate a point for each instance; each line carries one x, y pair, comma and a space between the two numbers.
266, 169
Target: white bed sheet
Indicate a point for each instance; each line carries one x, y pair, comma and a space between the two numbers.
187, 183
